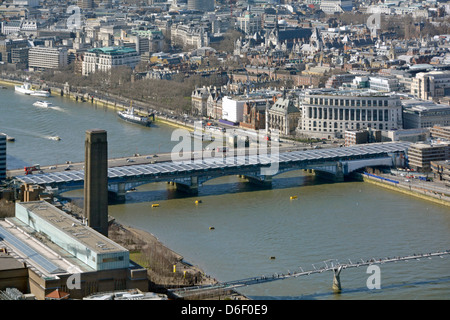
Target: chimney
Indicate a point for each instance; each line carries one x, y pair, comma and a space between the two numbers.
96, 180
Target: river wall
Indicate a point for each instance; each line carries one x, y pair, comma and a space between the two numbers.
414, 191
106, 100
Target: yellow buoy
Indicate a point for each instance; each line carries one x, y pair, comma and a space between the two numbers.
155, 205
293, 197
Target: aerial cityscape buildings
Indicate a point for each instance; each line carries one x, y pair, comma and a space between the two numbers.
334, 72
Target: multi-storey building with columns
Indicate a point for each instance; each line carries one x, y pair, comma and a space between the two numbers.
328, 113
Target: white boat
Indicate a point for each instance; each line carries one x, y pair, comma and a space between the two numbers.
130, 116
56, 138
44, 104
40, 93
26, 89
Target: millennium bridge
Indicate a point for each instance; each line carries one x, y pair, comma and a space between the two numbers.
189, 175
332, 265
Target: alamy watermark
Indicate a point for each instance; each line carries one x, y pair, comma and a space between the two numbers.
74, 21
227, 147
74, 282
374, 280
374, 23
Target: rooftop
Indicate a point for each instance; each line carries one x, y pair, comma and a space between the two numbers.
90, 238
353, 93
113, 50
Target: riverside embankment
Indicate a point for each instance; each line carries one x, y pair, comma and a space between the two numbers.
100, 99
431, 191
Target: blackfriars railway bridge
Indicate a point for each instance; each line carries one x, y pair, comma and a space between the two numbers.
189, 175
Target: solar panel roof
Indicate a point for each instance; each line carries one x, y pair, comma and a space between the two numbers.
29, 252
216, 162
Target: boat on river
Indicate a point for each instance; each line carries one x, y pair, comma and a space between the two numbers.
44, 104
28, 90
131, 116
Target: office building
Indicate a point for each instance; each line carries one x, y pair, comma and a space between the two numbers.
41, 58
283, 115
440, 132
233, 109
249, 23
421, 154
19, 57
62, 253
425, 114
353, 137
96, 180
7, 45
430, 85
104, 59
384, 84
441, 171
85, 4
328, 113
201, 5
26, 3
336, 6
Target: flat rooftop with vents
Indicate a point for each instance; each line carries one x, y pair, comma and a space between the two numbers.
84, 243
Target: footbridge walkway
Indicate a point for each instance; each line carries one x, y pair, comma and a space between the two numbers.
329, 265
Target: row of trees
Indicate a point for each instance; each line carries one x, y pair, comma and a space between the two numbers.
123, 82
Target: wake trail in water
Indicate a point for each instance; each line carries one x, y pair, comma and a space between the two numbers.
58, 109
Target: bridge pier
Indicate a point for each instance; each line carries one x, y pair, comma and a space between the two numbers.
337, 288
117, 193
263, 181
329, 176
335, 173
191, 187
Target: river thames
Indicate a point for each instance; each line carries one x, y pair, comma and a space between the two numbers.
256, 231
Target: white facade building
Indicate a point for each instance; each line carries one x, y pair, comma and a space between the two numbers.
332, 6
329, 113
384, 84
26, 3
104, 59
47, 58
232, 109
249, 23
429, 85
